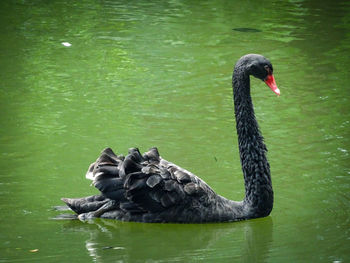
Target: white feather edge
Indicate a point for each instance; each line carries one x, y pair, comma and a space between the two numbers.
91, 176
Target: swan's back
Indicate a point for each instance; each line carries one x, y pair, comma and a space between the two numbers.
146, 188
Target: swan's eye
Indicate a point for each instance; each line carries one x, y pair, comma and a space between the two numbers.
267, 68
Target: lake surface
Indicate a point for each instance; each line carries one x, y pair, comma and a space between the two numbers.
158, 73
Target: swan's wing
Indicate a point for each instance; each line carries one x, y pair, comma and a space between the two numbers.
145, 183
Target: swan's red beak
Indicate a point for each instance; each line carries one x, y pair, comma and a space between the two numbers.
270, 81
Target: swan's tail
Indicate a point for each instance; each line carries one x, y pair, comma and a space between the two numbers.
85, 204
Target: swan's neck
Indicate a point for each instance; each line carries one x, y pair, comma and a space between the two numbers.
256, 170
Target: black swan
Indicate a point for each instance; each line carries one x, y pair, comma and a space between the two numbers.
147, 188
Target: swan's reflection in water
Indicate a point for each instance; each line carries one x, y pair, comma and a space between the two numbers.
110, 240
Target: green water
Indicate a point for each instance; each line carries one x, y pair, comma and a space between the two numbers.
158, 73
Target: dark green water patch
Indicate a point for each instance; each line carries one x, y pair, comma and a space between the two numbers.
247, 30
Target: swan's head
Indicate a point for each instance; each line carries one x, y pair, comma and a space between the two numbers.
261, 68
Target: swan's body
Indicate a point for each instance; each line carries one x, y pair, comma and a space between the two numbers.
147, 188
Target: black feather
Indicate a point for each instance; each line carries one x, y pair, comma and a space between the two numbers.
164, 173
152, 155
156, 194
130, 207
137, 184
107, 170
130, 166
108, 185
135, 155
169, 185
106, 159
182, 177
166, 200
153, 180
191, 188
116, 195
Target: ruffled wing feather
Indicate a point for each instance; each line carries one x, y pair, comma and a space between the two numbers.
142, 185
